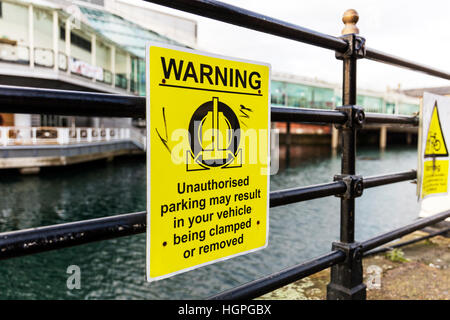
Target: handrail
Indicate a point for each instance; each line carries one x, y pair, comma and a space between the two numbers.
346, 255
251, 20
379, 56
379, 180
293, 195
64, 102
407, 242
277, 280
288, 114
258, 287
30, 241
400, 232
391, 119
23, 242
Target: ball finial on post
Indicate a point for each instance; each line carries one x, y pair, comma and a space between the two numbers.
350, 18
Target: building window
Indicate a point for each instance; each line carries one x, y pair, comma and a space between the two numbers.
97, 2
76, 40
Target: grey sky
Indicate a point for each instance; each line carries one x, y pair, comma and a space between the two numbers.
415, 30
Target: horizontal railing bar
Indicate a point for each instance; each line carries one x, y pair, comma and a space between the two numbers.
379, 56
29, 241
299, 194
287, 196
405, 243
381, 118
375, 181
397, 233
279, 279
303, 115
79, 103
67, 102
251, 20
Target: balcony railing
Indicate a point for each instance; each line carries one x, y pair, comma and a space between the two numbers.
13, 136
44, 57
14, 53
121, 80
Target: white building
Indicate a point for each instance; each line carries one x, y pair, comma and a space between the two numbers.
96, 46
81, 45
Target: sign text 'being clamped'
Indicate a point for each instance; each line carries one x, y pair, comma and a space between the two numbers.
208, 121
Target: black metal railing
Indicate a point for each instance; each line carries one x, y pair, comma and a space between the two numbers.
345, 259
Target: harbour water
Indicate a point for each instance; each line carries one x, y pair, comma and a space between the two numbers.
115, 269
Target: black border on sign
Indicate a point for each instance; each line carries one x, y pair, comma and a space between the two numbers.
442, 133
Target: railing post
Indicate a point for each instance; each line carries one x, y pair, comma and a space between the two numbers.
89, 134
33, 135
346, 281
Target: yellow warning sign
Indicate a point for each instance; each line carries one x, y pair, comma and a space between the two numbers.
435, 145
435, 176
208, 121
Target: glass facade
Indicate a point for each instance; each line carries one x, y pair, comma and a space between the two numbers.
301, 96
130, 36
370, 104
390, 107
304, 96
407, 108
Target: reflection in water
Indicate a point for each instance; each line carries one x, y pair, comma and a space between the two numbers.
115, 269
294, 155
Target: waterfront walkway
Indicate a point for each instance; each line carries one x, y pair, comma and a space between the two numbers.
35, 147
421, 273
